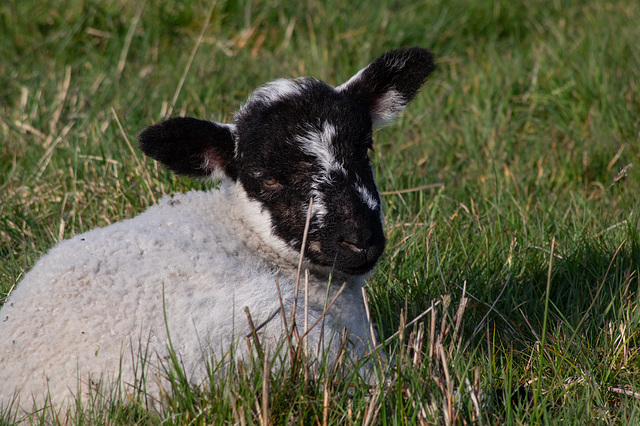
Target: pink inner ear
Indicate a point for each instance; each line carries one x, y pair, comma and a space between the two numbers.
212, 161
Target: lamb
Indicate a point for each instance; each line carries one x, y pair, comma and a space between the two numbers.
186, 268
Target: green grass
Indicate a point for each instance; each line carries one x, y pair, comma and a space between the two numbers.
534, 111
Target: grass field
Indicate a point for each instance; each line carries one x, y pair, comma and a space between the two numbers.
530, 126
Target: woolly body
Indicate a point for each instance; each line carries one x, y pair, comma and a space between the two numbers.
192, 263
218, 266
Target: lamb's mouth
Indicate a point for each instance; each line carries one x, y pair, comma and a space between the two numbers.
346, 259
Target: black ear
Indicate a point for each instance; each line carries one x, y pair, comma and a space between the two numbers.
192, 147
387, 85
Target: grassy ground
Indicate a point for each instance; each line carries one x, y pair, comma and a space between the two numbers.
531, 125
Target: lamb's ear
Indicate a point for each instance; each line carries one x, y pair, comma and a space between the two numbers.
192, 147
387, 85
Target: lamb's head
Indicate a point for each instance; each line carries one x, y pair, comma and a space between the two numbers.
297, 140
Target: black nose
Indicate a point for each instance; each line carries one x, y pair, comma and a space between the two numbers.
358, 241
359, 249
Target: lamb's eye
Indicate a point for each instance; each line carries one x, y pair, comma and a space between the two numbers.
271, 183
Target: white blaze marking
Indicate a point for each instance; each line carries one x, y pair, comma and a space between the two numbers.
366, 197
320, 145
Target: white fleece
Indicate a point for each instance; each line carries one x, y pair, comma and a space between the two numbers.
88, 304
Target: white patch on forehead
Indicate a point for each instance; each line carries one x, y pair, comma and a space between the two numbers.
278, 90
272, 92
366, 196
319, 144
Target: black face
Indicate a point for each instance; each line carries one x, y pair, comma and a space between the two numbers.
312, 142
298, 140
